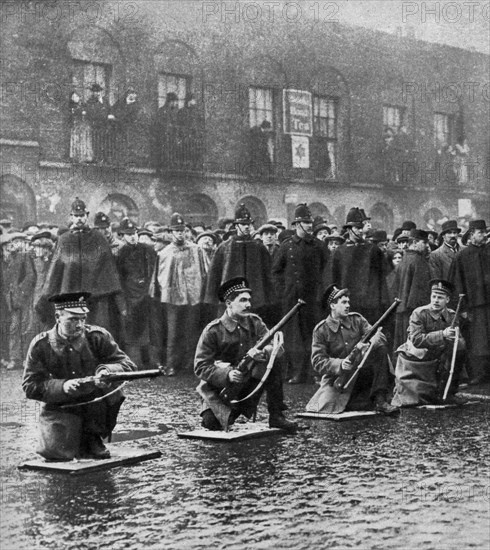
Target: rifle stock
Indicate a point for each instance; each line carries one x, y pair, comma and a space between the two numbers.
121, 376
246, 363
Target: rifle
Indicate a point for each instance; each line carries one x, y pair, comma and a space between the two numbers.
355, 356
245, 365
455, 347
119, 376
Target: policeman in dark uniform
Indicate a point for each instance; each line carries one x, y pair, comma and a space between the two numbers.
55, 360
222, 344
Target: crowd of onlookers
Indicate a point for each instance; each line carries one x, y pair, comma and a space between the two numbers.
168, 277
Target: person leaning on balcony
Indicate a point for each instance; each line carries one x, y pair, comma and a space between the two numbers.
166, 132
98, 116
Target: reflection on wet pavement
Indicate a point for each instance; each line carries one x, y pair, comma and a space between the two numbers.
416, 481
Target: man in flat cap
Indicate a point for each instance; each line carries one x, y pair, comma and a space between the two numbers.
441, 259
470, 273
422, 367
298, 274
223, 343
135, 264
83, 260
73, 419
180, 282
333, 340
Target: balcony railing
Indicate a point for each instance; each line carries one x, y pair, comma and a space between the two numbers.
180, 148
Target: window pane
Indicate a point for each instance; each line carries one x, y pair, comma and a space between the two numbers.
260, 106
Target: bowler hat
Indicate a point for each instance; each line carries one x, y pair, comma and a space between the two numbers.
474, 224
408, 225
380, 236
450, 225
419, 234
302, 214
237, 284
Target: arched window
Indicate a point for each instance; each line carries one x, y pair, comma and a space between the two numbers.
118, 206
256, 208
319, 209
382, 217
200, 208
434, 218
17, 202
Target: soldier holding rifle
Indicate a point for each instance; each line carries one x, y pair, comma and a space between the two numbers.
56, 362
223, 343
334, 339
433, 350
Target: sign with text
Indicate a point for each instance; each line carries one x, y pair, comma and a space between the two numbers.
298, 115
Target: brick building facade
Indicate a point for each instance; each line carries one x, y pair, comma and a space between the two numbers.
352, 117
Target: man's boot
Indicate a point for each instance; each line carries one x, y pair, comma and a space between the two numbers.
382, 406
278, 420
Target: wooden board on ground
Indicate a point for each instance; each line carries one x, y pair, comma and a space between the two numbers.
480, 397
237, 432
120, 456
448, 406
349, 415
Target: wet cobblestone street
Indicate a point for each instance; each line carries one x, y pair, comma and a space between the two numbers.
420, 480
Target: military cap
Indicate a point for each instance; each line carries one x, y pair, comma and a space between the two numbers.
450, 225
211, 234
78, 207
177, 222
332, 293
101, 220
408, 226
237, 284
242, 215
95, 87
73, 302
474, 224
302, 214
355, 218
267, 227
127, 227
442, 286
380, 236
419, 234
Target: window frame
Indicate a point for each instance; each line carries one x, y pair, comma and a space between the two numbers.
188, 87
402, 116
449, 133
271, 110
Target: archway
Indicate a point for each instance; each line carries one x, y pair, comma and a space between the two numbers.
118, 206
17, 200
433, 219
257, 209
319, 209
200, 208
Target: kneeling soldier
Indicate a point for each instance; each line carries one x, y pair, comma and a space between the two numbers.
223, 343
422, 367
55, 361
333, 340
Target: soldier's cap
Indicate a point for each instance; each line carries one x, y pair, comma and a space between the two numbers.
127, 227
267, 227
177, 222
242, 215
211, 234
73, 302
101, 220
332, 293
78, 207
450, 225
302, 214
474, 224
408, 225
145, 232
335, 237
419, 234
441, 285
237, 284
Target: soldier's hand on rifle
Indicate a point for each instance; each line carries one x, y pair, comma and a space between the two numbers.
449, 333
347, 365
72, 387
235, 376
100, 382
257, 355
362, 347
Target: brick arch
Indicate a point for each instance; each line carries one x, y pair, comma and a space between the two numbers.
118, 206
199, 208
382, 217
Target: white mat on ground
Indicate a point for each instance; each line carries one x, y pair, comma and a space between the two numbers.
349, 415
237, 432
